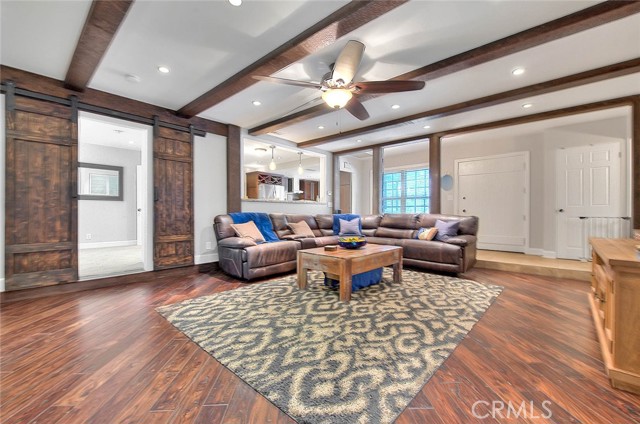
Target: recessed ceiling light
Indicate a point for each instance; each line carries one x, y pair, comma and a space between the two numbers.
517, 71
235, 2
130, 141
358, 141
163, 69
256, 102
132, 78
527, 105
320, 127
395, 107
426, 127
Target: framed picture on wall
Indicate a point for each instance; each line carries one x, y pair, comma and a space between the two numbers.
100, 182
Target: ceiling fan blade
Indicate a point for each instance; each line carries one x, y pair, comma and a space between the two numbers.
348, 61
388, 86
288, 81
357, 109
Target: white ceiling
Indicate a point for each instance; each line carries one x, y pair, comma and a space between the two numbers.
204, 43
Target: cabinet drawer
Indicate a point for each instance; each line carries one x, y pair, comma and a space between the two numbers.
601, 282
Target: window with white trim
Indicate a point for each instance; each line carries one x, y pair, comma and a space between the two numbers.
405, 191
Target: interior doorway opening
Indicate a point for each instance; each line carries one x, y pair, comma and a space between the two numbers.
115, 215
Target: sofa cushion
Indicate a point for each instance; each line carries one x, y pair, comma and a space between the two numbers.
446, 229
301, 229
370, 224
310, 243
271, 253
403, 221
468, 224
397, 233
431, 251
248, 230
325, 224
384, 240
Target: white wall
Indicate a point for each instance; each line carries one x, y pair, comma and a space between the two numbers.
210, 193
285, 207
360, 169
541, 146
109, 220
396, 157
2, 191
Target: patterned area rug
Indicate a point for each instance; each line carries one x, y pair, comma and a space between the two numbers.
323, 361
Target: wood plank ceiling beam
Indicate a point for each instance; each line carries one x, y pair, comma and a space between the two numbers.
45, 85
582, 20
519, 120
101, 25
588, 77
341, 22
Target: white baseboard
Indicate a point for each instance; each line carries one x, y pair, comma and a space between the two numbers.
2, 285
107, 244
549, 254
533, 251
205, 259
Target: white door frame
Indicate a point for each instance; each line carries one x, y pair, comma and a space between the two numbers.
527, 181
146, 156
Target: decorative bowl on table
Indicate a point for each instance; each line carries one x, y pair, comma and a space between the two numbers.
352, 241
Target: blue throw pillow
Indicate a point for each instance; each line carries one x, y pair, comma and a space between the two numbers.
261, 220
446, 229
346, 217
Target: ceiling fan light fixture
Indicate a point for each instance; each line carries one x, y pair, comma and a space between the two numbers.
337, 98
235, 2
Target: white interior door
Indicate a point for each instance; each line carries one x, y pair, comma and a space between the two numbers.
588, 185
496, 190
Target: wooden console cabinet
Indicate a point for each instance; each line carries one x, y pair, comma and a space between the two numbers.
615, 305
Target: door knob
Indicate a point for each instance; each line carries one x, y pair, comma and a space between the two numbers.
464, 210
560, 210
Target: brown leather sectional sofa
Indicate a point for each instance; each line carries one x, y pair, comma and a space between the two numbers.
247, 260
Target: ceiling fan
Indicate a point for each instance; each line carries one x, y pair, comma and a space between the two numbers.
338, 87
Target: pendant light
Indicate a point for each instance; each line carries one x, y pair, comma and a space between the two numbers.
300, 169
272, 164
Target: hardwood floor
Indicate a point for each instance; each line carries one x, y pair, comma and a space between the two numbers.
106, 356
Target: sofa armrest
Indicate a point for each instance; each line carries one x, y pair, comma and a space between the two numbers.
236, 242
461, 240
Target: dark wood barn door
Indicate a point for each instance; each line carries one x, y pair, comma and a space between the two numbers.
173, 195
41, 207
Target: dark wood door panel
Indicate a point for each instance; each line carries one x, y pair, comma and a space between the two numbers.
173, 186
40, 234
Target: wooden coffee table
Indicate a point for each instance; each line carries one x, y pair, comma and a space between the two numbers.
344, 263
